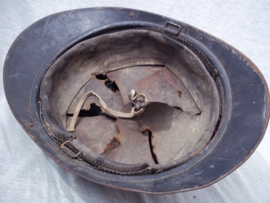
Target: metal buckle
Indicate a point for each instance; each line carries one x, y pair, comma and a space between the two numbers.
173, 27
68, 141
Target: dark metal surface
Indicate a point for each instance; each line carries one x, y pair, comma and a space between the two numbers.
246, 110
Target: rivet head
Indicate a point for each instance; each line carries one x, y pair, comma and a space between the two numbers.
131, 14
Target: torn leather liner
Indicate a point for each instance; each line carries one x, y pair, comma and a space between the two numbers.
134, 100
180, 115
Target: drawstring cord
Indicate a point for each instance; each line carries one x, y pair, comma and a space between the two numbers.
136, 110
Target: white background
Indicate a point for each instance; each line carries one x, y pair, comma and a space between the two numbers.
28, 175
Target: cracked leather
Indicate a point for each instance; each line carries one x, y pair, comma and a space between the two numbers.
182, 105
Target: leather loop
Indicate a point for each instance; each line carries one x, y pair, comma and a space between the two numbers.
68, 151
134, 111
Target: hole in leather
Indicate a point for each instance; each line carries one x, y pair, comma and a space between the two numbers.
152, 147
101, 77
111, 85
95, 110
108, 83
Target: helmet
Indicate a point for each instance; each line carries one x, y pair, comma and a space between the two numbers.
135, 100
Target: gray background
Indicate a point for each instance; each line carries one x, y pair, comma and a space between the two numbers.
28, 175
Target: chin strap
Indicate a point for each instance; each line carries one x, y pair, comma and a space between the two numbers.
136, 110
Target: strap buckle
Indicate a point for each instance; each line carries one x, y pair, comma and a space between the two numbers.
69, 142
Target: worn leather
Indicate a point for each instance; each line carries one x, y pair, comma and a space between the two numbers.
182, 105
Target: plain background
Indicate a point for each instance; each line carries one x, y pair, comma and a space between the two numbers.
28, 175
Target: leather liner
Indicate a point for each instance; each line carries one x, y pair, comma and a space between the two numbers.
55, 108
